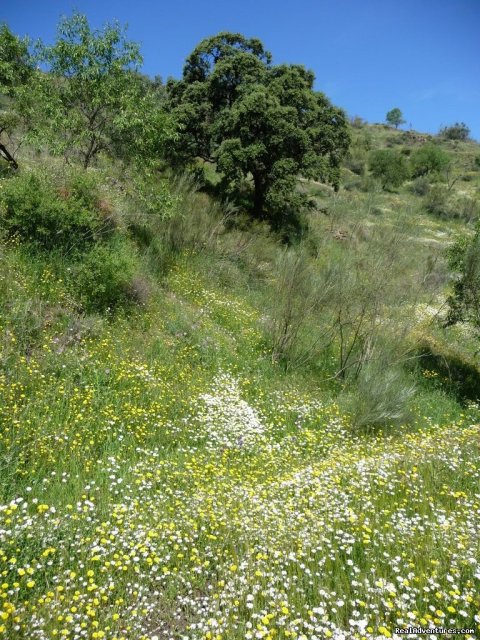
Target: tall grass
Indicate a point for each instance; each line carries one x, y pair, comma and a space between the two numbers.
163, 476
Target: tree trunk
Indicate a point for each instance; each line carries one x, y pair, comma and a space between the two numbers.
4, 152
258, 196
91, 152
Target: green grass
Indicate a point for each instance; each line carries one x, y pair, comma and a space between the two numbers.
275, 534
162, 477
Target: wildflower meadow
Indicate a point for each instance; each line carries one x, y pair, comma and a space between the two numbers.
153, 491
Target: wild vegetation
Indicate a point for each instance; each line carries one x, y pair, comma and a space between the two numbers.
395, 117
239, 353
256, 123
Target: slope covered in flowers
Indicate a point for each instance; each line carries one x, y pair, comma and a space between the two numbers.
163, 480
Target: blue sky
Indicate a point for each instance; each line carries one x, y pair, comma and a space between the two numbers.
368, 55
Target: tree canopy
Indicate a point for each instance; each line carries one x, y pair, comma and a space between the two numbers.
94, 98
394, 117
389, 167
457, 131
429, 159
15, 60
261, 125
16, 69
464, 303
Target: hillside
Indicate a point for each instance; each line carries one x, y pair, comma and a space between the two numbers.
218, 421
163, 477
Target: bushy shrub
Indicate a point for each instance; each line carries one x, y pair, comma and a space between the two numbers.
82, 186
139, 290
364, 141
437, 202
464, 260
192, 222
457, 131
105, 277
429, 159
420, 186
466, 208
393, 141
39, 213
357, 122
440, 203
380, 398
389, 167
353, 183
295, 296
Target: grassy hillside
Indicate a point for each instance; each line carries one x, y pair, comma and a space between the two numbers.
207, 434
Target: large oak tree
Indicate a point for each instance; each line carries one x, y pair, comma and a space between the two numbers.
259, 124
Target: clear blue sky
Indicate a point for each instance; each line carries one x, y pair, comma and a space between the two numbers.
368, 55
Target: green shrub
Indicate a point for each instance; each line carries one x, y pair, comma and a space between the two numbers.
105, 277
357, 122
467, 209
192, 222
464, 260
420, 186
457, 131
437, 202
440, 203
295, 295
381, 397
82, 186
427, 160
365, 141
37, 212
389, 167
393, 141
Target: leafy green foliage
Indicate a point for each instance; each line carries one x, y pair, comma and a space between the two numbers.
356, 159
16, 69
15, 61
457, 131
465, 301
390, 167
92, 97
104, 277
429, 159
262, 125
72, 227
129, 409
394, 117
36, 211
